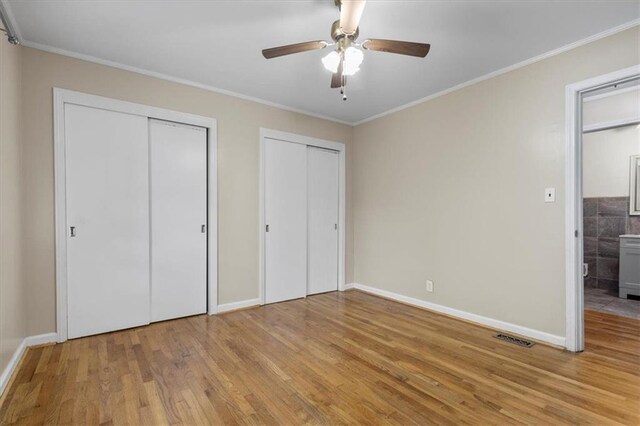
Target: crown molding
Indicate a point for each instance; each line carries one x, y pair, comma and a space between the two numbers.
118, 65
505, 70
178, 80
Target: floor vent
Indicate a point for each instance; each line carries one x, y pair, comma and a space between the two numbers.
514, 340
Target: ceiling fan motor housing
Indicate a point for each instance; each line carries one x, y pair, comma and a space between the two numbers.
337, 34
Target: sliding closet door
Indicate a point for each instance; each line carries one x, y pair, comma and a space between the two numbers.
107, 190
323, 175
178, 220
285, 191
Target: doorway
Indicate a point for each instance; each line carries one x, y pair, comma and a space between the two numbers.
611, 224
575, 209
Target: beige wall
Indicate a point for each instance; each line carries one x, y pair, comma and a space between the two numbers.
12, 289
238, 149
452, 190
449, 190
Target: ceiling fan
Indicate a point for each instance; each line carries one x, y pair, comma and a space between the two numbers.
345, 60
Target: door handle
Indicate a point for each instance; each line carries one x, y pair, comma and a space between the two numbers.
203, 228
267, 228
72, 231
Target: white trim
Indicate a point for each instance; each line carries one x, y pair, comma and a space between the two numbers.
234, 306
505, 70
349, 286
573, 202
614, 124
12, 365
309, 141
614, 92
40, 339
27, 342
178, 80
634, 206
191, 83
60, 216
61, 97
479, 319
212, 217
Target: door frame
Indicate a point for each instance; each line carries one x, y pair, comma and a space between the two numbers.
62, 97
574, 281
342, 187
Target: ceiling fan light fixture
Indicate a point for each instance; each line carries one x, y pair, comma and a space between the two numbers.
346, 58
331, 61
352, 59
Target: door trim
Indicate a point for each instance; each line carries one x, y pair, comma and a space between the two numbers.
574, 282
308, 141
62, 97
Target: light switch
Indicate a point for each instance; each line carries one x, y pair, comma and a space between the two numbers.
429, 286
550, 195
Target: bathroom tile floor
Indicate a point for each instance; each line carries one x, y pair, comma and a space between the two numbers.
603, 300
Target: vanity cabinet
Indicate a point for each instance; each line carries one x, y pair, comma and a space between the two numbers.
629, 265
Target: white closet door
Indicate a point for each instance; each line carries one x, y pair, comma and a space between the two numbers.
107, 180
323, 175
285, 171
178, 220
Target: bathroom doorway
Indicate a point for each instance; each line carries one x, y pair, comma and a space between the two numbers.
575, 94
611, 222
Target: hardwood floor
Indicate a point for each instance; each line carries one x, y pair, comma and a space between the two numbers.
332, 358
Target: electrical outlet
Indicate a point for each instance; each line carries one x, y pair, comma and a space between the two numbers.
429, 286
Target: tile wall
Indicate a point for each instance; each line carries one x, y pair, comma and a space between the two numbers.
605, 219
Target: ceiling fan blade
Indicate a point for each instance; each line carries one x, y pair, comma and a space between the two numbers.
337, 79
289, 49
350, 14
401, 47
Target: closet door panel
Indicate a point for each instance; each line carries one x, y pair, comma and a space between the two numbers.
178, 213
285, 191
323, 185
108, 207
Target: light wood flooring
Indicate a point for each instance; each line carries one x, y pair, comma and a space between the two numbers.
335, 358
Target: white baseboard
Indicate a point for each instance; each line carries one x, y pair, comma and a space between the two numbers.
29, 341
349, 286
41, 339
13, 363
479, 319
238, 305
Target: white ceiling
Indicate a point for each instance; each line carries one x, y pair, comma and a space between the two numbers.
218, 43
